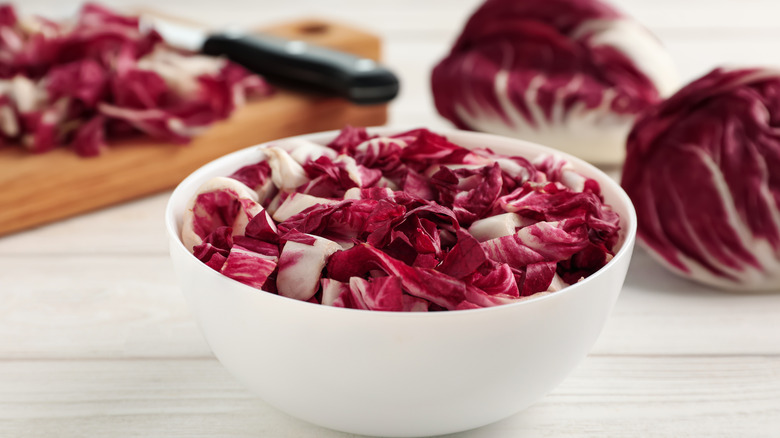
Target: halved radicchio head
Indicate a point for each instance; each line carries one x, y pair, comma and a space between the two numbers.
703, 170
570, 74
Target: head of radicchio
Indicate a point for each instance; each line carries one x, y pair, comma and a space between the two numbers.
703, 170
570, 74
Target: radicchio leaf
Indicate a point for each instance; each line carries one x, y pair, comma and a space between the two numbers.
248, 267
214, 249
471, 194
219, 202
300, 265
258, 178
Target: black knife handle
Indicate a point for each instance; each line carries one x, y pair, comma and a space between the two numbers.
302, 65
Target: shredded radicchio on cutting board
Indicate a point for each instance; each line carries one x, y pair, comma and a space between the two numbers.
100, 77
409, 222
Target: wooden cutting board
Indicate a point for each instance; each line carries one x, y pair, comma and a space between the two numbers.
37, 189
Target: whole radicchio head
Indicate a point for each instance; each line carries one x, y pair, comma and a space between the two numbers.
571, 74
703, 170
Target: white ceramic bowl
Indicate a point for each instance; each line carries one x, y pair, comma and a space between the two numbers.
399, 374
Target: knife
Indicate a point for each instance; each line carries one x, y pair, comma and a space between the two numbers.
292, 63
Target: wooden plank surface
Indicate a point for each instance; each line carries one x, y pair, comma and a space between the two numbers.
96, 340
38, 189
605, 397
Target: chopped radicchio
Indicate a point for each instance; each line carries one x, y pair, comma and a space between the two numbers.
345, 225
100, 76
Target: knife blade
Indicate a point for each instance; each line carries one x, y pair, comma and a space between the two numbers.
292, 63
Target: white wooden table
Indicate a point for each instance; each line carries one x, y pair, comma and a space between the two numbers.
96, 340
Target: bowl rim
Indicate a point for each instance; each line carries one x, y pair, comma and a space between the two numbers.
626, 245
